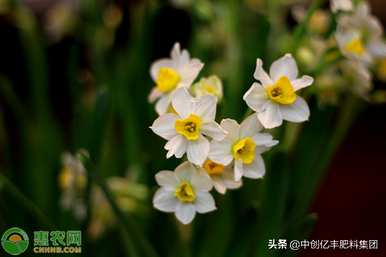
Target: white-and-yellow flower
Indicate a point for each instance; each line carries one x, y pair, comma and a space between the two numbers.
186, 130
222, 176
72, 182
275, 99
360, 35
184, 192
341, 5
171, 73
244, 145
211, 85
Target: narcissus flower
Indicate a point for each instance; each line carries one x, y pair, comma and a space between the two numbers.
360, 35
184, 192
244, 145
275, 99
72, 182
186, 130
341, 5
169, 74
222, 176
209, 86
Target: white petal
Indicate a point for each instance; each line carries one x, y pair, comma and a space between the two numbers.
155, 67
256, 169
221, 152
201, 181
204, 202
180, 57
205, 107
185, 212
182, 102
198, 150
285, 66
256, 97
189, 72
303, 82
176, 146
163, 104
232, 128
261, 75
166, 179
219, 184
377, 48
185, 171
154, 95
229, 179
250, 126
239, 171
213, 130
187, 68
183, 58
296, 112
164, 126
176, 51
271, 117
164, 200
264, 139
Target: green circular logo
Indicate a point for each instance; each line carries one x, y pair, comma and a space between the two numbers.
15, 241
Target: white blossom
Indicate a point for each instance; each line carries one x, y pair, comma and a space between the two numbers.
170, 74
184, 192
275, 99
243, 146
186, 131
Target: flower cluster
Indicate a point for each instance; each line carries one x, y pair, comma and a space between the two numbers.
218, 155
343, 48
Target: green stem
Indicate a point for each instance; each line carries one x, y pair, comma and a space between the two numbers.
26, 203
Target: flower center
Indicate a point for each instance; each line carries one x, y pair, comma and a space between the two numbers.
282, 91
355, 46
65, 178
189, 127
185, 193
167, 79
210, 89
213, 168
244, 150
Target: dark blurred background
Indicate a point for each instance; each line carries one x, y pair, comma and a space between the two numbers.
351, 200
